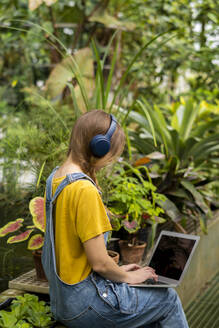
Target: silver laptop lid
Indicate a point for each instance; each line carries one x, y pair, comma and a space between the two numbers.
172, 254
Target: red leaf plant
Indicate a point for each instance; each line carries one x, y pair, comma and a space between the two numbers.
35, 242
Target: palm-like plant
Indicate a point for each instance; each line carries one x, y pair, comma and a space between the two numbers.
190, 145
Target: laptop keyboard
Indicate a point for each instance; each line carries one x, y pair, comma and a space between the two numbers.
153, 282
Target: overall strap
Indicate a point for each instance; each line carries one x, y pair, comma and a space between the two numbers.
67, 180
49, 185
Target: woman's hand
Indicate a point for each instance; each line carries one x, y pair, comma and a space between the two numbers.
140, 275
130, 267
103, 264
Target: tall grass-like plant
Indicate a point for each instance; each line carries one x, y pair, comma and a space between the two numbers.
72, 68
101, 90
34, 139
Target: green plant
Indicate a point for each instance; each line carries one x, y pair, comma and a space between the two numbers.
188, 143
87, 90
26, 312
36, 207
133, 201
39, 135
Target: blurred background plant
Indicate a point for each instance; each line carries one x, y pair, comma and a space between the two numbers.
38, 38
185, 134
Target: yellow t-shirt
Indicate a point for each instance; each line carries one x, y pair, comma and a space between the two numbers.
79, 216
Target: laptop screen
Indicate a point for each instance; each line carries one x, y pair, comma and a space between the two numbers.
171, 256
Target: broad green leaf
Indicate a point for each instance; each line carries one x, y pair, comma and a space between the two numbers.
49, 2
184, 151
173, 163
205, 157
144, 146
178, 193
203, 223
202, 147
171, 210
197, 196
34, 4
213, 17
160, 125
111, 22
176, 142
146, 113
9, 320
189, 115
160, 117
205, 127
175, 122
139, 118
60, 75
80, 67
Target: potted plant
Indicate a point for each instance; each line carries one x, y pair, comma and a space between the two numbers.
115, 255
35, 242
133, 205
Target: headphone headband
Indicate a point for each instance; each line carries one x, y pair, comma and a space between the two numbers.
100, 144
112, 127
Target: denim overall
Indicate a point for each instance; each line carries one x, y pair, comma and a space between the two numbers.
98, 302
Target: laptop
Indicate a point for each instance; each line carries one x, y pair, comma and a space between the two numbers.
170, 258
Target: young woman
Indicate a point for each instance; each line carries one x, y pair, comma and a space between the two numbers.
87, 288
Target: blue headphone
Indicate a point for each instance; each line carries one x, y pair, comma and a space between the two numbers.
100, 144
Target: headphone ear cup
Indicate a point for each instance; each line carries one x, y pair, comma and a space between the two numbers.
100, 145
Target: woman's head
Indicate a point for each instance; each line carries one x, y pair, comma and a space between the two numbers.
86, 127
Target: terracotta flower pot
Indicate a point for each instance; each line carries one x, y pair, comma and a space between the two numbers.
113, 244
40, 274
131, 254
114, 255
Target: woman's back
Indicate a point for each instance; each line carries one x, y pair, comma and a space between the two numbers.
79, 216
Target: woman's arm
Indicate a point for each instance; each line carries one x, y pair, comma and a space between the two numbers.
103, 264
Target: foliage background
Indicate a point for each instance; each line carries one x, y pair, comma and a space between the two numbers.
40, 90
